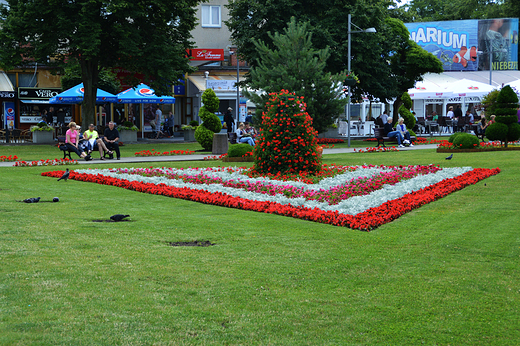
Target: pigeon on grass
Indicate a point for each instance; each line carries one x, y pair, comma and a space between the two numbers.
32, 200
449, 157
65, 175
118, 217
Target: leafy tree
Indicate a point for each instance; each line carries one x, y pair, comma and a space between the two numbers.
252, 20
287, 142
72, 77
489, 103
408, 61
148, 37
211, 123
439, 10
295, 66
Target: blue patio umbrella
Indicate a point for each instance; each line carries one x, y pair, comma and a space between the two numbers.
76, 94
142, 94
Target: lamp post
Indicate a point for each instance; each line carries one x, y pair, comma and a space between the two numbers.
369, 30
491, 60
238, 80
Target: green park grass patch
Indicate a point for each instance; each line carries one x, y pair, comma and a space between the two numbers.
445, 273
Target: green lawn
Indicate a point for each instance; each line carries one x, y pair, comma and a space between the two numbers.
444, 274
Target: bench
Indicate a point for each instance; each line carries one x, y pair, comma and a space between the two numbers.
379, 134
66, 151
232, 137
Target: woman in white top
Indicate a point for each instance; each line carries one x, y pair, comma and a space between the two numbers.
401, 127
243, 137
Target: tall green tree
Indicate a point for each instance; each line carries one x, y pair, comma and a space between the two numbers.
371, 52
294, 65
148, 37
439, 10
408, 61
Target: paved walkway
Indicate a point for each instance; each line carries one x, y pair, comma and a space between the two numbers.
136, 159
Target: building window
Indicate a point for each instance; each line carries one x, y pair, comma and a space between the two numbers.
211, 16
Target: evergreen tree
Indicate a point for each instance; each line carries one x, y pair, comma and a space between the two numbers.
506, 110
287, 142
296, 66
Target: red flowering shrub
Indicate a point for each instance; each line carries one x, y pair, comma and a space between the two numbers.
287, 142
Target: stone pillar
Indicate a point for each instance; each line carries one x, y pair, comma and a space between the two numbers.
220, 143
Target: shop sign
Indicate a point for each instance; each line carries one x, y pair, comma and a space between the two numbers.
9, 114
37, 93
29, 119
7, 94
466, 45
206, 54
222, 85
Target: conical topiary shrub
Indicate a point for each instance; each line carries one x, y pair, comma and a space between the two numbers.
210, 122
506, 108
287, 143
404, 112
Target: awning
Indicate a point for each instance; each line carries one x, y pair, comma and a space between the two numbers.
5, 82
35, 101
222, 83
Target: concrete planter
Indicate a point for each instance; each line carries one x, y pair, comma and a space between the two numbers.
189, 135
330, 133
127, 136
42, 137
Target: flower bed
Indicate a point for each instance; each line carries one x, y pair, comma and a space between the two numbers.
376, 150
362, 197
9, 158
447, 147
165, 153
330, 140
55, 162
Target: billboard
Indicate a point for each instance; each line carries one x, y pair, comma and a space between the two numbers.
468, 45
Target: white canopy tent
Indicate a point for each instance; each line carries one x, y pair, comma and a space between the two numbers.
427, 90
468, 88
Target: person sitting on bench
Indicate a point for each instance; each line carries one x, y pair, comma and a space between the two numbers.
401, 127
92, 136
72, 141
243, 137
389, 132
111, 139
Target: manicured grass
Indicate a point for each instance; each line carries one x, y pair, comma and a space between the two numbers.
446, 273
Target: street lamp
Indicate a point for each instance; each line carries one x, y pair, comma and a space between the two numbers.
491, 60
369, 30
238, 80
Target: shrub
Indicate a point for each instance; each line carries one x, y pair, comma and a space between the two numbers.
497, 132
506, 103
210, 122
453, 136
466, 141
194, 123
205, 137
287, 142
404, 111
239, 150
210, 100
513, 133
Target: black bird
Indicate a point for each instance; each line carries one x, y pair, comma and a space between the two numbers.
449, 157
65, 175
32, 200
118, 217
